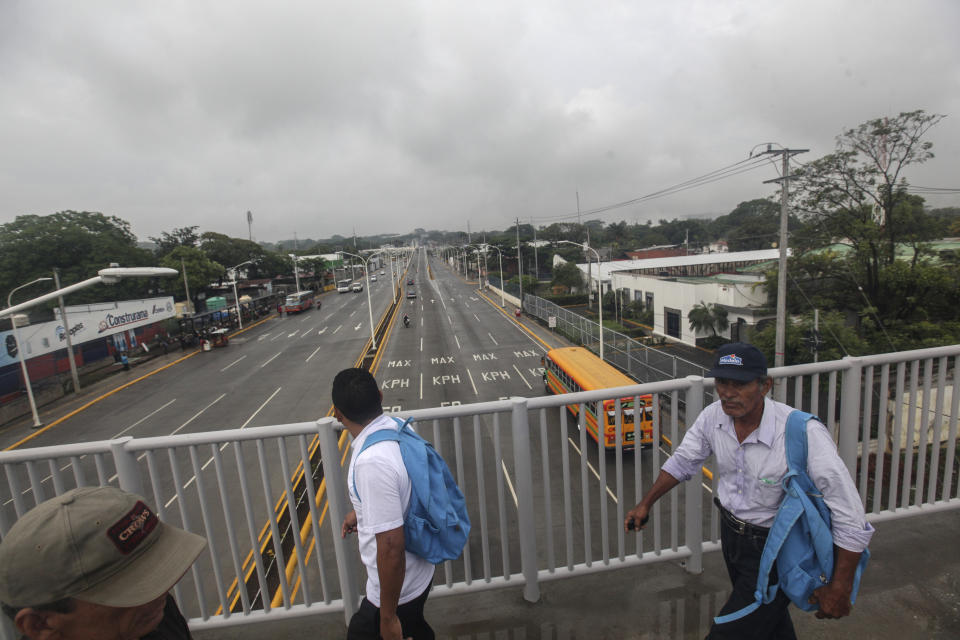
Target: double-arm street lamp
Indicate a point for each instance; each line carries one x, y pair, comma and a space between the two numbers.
366, 270
590, 285
111, 275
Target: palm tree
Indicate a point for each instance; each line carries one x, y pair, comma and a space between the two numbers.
708, 316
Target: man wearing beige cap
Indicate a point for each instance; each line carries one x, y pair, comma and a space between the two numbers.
95, 562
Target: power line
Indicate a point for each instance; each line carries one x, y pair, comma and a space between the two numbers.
731, 170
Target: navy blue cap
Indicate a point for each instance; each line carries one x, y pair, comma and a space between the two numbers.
739, 361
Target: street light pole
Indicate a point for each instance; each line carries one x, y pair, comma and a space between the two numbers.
23, 363
296, 270
600, 279
236, 298
373, 336
66, 334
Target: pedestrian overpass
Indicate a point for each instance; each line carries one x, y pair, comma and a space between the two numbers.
545, 501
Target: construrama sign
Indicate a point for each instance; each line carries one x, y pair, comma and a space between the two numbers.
87, 322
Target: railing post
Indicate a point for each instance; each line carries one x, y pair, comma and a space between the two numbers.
337, 499
693, 493
849, 413
128, 472
524, 476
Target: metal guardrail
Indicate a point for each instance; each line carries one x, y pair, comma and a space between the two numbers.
545, 501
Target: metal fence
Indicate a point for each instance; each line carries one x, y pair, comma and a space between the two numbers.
546, 502
640, 361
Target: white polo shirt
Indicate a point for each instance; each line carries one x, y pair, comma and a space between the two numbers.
384, 487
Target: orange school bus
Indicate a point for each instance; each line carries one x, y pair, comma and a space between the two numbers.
573, 369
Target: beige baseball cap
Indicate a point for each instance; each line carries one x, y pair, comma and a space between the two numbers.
97, 544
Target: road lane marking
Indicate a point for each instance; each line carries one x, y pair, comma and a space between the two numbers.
270, 360
307, 332
225, 444
314, 353
472, 383
149, 415
338, 328
232, 363
266, 335
494, 339
421, 385
477, 317
457, 341
174, 432
357, 328
290, 335
421, 345
612, 495
322, 331
506, 474
521, 377
276, 337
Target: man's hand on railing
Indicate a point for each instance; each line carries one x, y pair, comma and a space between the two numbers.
349, 524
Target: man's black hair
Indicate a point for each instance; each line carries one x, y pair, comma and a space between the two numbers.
356, 394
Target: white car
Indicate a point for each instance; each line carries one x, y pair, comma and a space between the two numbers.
373, 278
357, 287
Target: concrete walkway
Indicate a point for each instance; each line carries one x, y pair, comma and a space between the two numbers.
911, 591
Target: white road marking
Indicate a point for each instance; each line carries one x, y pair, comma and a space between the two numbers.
225, 444
357, 328
290, 335
263, 336
506, 474
477, 317
472, 383
338, 328
521, 377
232, 363
269, 361
321, 332
276, 337
494, 339
314, 353
612, 495
307, 332
457, 341
421, 385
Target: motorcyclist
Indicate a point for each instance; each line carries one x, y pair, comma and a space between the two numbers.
406, 320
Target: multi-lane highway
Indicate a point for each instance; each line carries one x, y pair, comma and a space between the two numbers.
460, 348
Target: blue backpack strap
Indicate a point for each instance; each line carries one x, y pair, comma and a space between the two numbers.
381, 435
787, 516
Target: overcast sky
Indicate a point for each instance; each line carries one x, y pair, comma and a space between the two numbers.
324, 117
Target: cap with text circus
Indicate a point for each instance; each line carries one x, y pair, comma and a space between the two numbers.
739, 361
97, 544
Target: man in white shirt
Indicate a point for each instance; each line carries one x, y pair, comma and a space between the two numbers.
398, 582
746, 432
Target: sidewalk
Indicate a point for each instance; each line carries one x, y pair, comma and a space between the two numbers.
911, 590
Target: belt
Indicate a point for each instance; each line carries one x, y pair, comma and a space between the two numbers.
739, 526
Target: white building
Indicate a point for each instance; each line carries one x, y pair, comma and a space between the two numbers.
673, 286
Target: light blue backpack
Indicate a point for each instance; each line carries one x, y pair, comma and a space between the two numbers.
800, 540
436, 526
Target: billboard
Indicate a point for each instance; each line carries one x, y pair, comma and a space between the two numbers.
87, 322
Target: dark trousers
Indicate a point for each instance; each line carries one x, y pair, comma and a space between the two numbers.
365, 623
741, 553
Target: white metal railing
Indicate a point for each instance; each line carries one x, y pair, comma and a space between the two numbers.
545, 501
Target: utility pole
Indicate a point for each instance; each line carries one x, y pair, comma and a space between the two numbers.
780, 342
66, 333
183, 270
536, 261
250, 225
519, 265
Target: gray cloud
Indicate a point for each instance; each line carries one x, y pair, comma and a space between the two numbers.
385, 116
